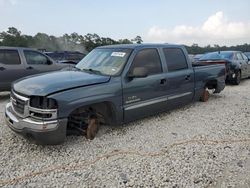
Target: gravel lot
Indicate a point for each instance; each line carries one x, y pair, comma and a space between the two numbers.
200, 145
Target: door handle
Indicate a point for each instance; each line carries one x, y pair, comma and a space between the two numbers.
163, 81
187, 77
29, 68
2, 68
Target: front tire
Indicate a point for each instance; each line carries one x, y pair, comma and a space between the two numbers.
93, 126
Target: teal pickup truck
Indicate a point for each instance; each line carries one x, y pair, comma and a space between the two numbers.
111, 85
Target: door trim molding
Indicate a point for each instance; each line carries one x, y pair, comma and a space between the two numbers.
154, 101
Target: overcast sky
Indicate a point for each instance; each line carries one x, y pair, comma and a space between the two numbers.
223, 22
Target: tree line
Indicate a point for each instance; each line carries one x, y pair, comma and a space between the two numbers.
73, 41
76, 42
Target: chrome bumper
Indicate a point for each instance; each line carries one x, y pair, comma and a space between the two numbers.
18, 124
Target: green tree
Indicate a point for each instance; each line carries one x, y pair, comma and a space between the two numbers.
125, 41
13, 37
137, 40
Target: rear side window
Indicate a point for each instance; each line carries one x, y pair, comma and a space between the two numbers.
148, 58
244, 57
35, 58
239, 57
175, 59
9, 57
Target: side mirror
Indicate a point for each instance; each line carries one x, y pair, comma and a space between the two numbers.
138, 72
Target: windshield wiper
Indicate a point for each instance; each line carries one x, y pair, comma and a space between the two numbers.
93, 71
77, 68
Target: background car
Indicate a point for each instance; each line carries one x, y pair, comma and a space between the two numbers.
70, 57
247, 54
237, 64
191, 57
16, 63
197, 57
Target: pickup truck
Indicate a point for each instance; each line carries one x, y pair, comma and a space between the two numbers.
111, 85
16, 62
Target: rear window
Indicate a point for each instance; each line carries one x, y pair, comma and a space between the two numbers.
9, 57
175, 59
56, 56
75, 56
217, 56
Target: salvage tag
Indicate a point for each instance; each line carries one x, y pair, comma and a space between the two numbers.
118, 54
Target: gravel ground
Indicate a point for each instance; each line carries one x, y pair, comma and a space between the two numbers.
200, 145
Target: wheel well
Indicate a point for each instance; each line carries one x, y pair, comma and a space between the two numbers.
104, 110
211, 84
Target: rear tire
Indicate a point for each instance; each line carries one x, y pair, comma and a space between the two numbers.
237, 78
205, 95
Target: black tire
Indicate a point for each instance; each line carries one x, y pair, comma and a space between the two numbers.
237, 78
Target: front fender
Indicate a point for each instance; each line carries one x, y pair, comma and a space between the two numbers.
70, 100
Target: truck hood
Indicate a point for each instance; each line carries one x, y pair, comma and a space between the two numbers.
48, 83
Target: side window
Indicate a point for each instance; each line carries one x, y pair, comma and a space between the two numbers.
239, 57
148, 58
9, 57
35, 58
175, 59
244, 57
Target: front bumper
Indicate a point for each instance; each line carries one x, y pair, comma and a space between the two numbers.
42, 132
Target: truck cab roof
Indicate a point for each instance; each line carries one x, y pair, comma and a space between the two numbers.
16, 48
138, 46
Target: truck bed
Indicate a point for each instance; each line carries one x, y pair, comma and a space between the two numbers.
214, 74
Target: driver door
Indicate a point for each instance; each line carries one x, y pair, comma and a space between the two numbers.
248, 64
146, 95
243, 64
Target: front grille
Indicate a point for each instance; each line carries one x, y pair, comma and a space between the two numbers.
18, 103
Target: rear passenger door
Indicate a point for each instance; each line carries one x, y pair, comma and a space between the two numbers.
242, 64
144, 96
11, 68
37, 62
248, 64
180, 77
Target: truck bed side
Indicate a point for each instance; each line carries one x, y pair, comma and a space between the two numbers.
210, 76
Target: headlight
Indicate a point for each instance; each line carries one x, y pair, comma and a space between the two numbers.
43, 102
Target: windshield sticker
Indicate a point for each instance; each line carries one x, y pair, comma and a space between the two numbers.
118, 54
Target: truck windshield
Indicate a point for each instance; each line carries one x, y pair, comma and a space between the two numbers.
105, 61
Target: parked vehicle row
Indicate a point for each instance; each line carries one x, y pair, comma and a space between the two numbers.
195, 58
16, 63
69, 57
237, 64
111, 85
